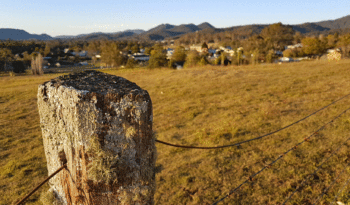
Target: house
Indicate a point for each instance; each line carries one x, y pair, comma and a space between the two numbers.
286, 60
179, 65
169, 53
210, 50
19, 55
227, 49
299, 45
279, 53
140, 57
197, 48
333, 50
83, 53
66, 50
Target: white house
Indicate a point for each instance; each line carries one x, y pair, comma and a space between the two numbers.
196, 48
210, 50
83, 53
299, 45
286, 59
333, 50
280, 53
141, 57
169, 53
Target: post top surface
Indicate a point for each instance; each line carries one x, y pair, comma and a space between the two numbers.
95, 81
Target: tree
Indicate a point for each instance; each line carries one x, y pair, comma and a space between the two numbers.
6, 54
239, 56
331, 41
344, 43
203, 61
157, 58
192, 59
255, 56
131, 63
37, 65
135, 48
312, 46
289, 53
179, 54
277, 36
18, 66
148, 50
297, 37
110, 54
271, 56
205, 46
47, 50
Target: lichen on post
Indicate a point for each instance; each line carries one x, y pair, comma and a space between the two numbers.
101, 126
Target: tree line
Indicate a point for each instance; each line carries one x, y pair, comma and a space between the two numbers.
250, 47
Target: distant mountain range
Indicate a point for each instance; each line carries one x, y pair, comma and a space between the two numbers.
167, 30
17, 34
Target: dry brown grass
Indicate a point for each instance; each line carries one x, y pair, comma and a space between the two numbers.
209, 106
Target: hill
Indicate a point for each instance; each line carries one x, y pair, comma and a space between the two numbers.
18, 34
167, 30
160, 32
340, 23
100, 35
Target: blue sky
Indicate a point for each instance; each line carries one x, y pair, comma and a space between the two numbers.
77, 17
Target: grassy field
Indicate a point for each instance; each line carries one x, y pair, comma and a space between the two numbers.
209, 106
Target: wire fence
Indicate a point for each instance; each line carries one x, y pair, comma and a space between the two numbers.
312, 174
326, 189
341, 190
250, 178
42, 183
256, 138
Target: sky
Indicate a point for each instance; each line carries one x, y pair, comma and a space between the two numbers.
73, 17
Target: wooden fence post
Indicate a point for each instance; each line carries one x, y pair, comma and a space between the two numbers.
101, 125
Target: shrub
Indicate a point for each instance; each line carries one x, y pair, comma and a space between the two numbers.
130, 63
157, 58
37, 65
18, 66
192, 59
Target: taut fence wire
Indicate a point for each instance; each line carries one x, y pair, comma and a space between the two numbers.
312, 174
238, 144
256, 138
326, 189
341, 190
250, 178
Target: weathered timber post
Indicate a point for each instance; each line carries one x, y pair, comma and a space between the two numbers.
101, 125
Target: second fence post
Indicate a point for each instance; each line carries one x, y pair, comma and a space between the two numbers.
101, 125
